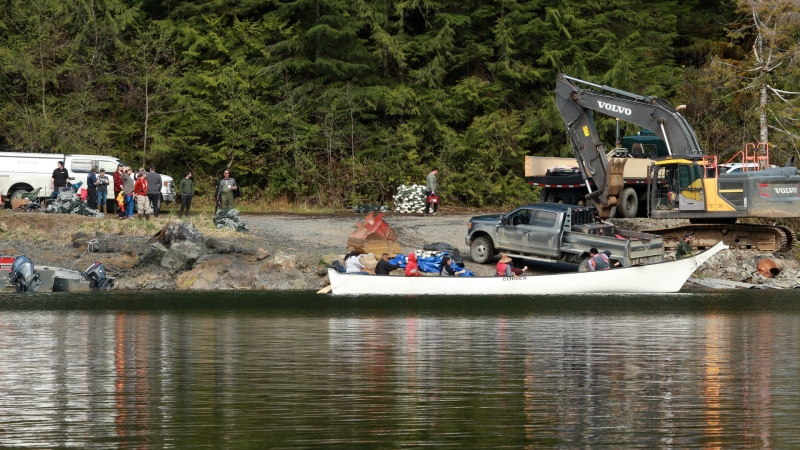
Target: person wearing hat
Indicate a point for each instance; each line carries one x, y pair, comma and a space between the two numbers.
102, 191
684, 247
140, 192
505, 269
154, 189
60, 179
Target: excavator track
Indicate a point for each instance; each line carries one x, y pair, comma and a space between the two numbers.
766, 238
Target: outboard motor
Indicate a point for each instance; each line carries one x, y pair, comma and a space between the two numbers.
96, 274
23, 276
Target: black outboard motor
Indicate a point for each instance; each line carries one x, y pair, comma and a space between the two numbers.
23, 276
96, 274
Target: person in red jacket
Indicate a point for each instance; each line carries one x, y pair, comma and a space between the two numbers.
118, 189
412, 268
140, 193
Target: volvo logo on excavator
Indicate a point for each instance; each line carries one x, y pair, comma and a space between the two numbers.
614, 108
786, 190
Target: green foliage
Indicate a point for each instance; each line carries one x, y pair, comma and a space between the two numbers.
333, 102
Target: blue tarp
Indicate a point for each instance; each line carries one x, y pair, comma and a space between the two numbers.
429, 264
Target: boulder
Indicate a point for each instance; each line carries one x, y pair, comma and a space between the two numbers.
152, 256
214, 272
183, 231
181, 255
158, 279
281, 280
284, 261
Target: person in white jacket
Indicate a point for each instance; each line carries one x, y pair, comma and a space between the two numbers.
352, 263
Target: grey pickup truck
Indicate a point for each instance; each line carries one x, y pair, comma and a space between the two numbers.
558, 232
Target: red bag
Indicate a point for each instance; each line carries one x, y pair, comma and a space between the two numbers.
433, 198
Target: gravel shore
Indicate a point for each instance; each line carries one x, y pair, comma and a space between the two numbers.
309, 240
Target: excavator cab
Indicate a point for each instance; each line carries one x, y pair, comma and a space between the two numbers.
679, 184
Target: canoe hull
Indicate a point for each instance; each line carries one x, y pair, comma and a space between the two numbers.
665, 277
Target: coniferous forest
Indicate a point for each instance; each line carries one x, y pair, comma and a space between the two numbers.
333, 102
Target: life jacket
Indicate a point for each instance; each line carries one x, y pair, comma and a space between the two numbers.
501, 269
601, 262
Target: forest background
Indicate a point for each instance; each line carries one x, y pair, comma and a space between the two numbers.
334, 102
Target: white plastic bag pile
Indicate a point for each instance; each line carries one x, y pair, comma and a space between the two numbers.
410, 199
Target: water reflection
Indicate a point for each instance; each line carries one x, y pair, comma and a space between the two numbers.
288, 370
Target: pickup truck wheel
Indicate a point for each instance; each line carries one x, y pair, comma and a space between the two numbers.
481, 250
628, 203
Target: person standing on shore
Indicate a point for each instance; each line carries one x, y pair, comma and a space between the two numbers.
127, 191
118, 187
226, 190
102, 191
430, 189
140, 192
154, 189
91, 188
59, 180
186, 189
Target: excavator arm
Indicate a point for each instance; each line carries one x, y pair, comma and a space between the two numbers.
576, 104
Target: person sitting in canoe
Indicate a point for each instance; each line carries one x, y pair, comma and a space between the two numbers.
412, 268
384, 266
505, 269
449, 268
352, 263
598, 261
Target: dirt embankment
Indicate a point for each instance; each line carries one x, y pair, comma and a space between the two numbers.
302, 244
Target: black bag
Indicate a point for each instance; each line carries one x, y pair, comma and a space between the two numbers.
338, 266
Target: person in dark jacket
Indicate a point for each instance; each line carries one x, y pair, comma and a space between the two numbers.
384, 267
186, 189
154, 189
59, 180
91, 188
684, 247
449, 268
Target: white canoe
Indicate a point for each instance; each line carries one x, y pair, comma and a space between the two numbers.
668, 276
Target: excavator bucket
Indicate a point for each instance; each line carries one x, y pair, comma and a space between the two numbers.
614, 184
374, 235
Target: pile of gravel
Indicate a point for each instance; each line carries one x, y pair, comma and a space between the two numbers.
409, 199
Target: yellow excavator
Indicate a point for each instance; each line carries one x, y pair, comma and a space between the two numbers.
684, 183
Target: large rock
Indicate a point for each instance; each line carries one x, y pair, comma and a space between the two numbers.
182, 255
157, 279
183, 231
281, 280
212, 272
153, 256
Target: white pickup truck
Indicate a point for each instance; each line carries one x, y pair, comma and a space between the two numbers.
25, 172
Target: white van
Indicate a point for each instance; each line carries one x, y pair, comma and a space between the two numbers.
24, 172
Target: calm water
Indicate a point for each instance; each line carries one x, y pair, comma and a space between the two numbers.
288, 370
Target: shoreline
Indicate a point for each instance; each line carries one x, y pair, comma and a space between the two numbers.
280, 252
